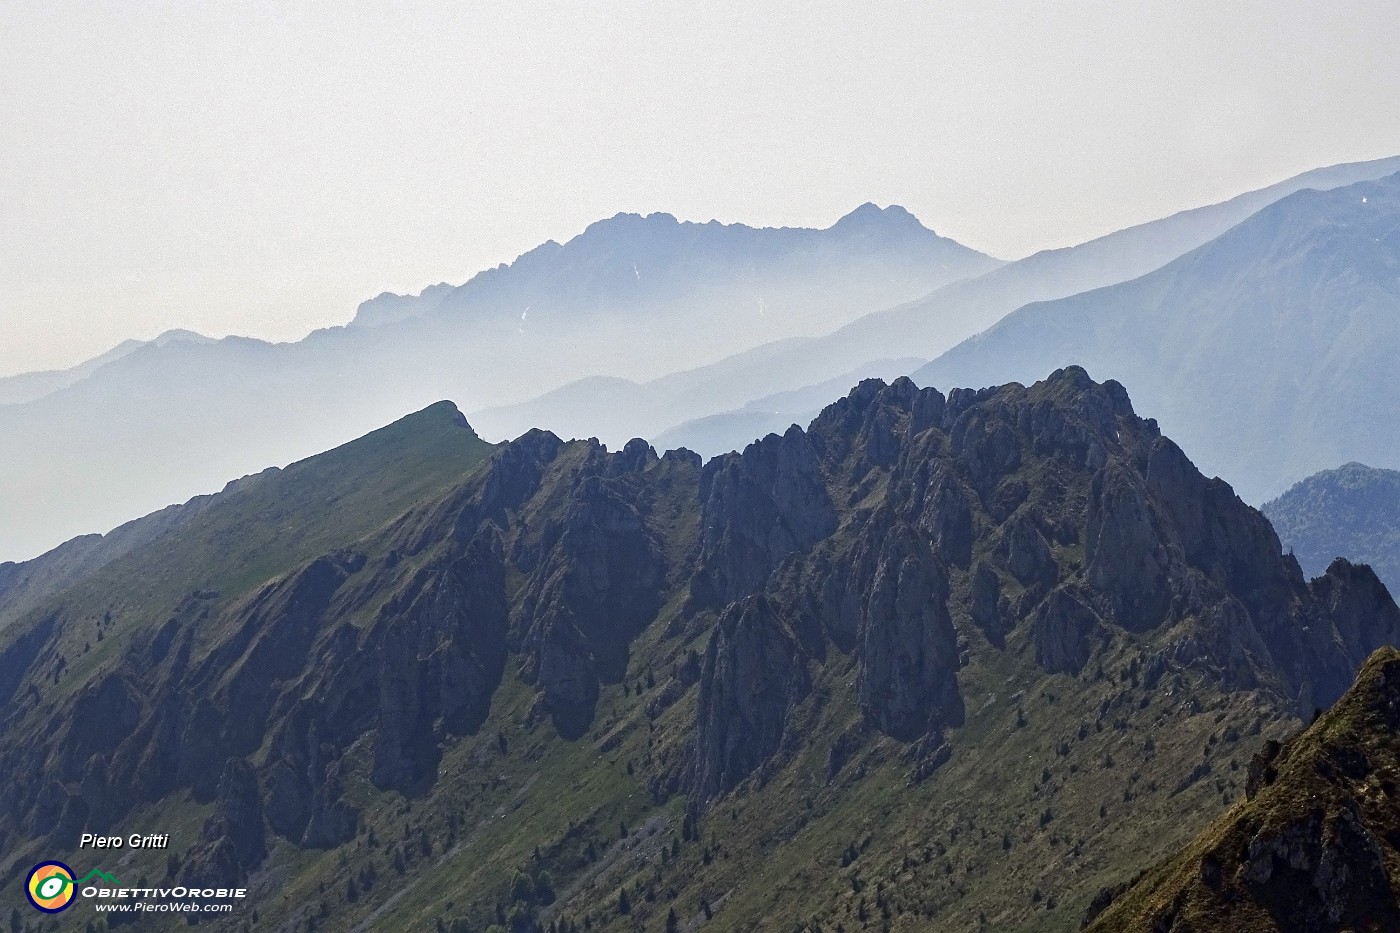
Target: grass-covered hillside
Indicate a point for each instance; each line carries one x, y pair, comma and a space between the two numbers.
1313, 845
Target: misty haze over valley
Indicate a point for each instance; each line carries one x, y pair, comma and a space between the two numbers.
705, 336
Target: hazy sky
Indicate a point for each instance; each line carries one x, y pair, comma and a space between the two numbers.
260, 168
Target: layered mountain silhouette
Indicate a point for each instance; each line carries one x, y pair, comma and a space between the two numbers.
1352, 511
766, 281
572, 688
706, 335
26, 387
632, 296
725, 406
1267, 353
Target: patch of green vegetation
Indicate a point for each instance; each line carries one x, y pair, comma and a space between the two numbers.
263, 527
1344, 767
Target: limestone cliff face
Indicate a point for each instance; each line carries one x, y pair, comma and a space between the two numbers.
759, 507
753, 673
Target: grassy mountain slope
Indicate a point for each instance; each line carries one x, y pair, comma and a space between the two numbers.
1352, 511
1314, 845
257, 528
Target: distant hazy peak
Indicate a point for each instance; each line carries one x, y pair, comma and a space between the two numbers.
27, 387
176, 334
624, 219
613, 254
871, 216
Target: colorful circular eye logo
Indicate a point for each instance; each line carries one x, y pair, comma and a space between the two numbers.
50, 887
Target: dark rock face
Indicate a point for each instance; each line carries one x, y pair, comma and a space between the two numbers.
332, 821
908, 647
902, 526
1125, 556
759, 507
597, 577
1064, 631
232, 842
984, 603
753, 673
440, 659
1351, 614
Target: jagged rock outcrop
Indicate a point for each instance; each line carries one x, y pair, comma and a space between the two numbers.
848, 570
1064, 513
984, 603
440, 657
759, 507
1064, 631
233, 841
753, 673
597, 575
908, 648
1125, 555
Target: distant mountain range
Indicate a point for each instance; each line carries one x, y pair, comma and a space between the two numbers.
763, 282
631, 297
1269, 352
705, 336
757, 391
938, 661
1352, 512
27, 387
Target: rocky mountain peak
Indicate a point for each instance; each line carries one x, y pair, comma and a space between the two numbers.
849, 594
870, 217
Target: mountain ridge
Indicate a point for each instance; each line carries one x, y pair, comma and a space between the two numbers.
1288, 316
434, 444
787, 667
737, 248
1351, 511
934, 324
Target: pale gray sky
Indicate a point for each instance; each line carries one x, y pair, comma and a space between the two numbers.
260, 168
